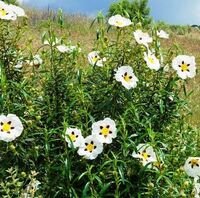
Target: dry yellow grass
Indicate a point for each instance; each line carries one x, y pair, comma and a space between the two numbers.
190, 43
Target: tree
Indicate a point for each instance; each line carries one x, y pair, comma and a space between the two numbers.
136, 10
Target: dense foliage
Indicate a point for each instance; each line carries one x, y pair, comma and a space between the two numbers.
62, 90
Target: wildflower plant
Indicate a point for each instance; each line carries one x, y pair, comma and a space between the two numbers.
107, 122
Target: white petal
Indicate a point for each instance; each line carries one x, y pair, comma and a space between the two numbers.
17, 10
95, 55
119, 77
192, 171
162, 34
14, 133
119, 21
96, 130
95, 152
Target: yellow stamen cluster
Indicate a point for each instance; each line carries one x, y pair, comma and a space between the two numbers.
3, 12
145, 155
105, 131
194, 162
95, 59
127, 78
184, 67
119, 23
151, 60
90, 147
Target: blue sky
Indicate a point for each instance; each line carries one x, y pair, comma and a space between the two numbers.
170, 11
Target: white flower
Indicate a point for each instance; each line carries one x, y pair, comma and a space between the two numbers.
104, 130
91, 148
36, 61
162, 34
10, 127
197, 190
17, 10
31, 189
151, 60
6, 12
54, 42
185, 66
94, 59
192, 167
66, 49
63, 48
125, 75
119, 21
74, 136
19, 65
142, 38
34, 184
146, 153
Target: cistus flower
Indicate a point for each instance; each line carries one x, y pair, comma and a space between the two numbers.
31, 189
151, 60
119, 21
146, 154
74, 137
192, 167
36, 61
55, 41
19, 65
185, 66
91, 148
125, 75
95, 59
142, 38
10, 12
67, 49
10, 127
6, 12
104, 130
162, 34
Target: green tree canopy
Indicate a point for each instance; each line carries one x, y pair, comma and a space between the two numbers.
136, 10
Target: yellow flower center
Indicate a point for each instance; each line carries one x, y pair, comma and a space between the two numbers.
105, 131
194, 162
184, 67
3, 12
151, 60
6, 127
127, 78
95, 59
72, 137
145, 155
119, 23
90, 147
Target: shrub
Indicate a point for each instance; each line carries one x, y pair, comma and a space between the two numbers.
126, 95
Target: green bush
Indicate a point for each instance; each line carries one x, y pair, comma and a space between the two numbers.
62, 90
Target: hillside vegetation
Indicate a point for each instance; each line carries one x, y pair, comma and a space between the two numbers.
78, 29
